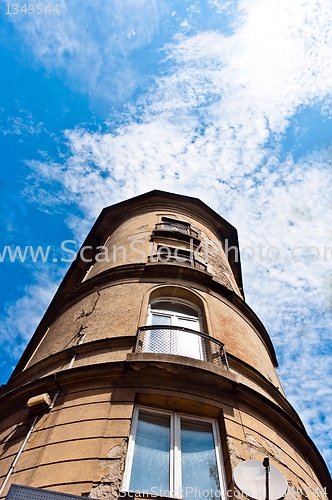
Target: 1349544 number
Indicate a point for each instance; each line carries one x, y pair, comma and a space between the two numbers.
31, 8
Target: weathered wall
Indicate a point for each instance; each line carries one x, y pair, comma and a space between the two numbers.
118, 310
132, 242
111, 312
251, 436
81, 441
239, 336
80, 446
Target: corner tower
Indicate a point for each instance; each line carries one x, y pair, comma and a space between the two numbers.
149, 374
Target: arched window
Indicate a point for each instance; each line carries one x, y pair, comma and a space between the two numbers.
173, 326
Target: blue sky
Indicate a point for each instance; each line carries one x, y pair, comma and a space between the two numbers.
228, 101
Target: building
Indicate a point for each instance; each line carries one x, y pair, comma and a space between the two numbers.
149, 373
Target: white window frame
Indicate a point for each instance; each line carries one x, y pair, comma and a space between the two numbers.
200, 354
175, 450
175, 300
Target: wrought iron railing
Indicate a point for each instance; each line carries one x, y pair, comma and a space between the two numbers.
181, 342
180, 228
177, 259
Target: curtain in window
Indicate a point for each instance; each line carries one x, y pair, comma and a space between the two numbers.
151, 460
198, 460
159, 437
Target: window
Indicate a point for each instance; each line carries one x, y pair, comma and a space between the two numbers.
177, 226
173, 455
174, 325
172, 226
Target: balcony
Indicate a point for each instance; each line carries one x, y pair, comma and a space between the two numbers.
181, 342
181, 228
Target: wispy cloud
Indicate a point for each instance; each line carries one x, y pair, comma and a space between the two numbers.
23, 124
21, 318
89, 44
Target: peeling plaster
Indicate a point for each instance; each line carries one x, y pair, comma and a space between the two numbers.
166, 368
268, 448
233, 450
291, 492
235, 455
109, 486
276, 452
138, 367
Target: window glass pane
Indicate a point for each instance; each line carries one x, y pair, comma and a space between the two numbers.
151, 460
160, 319
186, 343
192, 324
174, 307
198, 460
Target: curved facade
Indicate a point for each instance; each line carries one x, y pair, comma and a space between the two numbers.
152, 361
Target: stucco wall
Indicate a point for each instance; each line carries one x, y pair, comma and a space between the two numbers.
132, 242
80, 446
119, 309
111, 312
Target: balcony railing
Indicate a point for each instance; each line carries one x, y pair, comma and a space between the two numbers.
180, 228
181, 342
177, 259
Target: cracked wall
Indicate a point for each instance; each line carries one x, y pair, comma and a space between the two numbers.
103, 314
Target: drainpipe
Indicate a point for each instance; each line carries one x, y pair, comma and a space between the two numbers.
20, 451
18, 455
32, 428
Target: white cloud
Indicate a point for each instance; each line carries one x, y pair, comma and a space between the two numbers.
88, 44
21, 318
23, 124
221, 6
